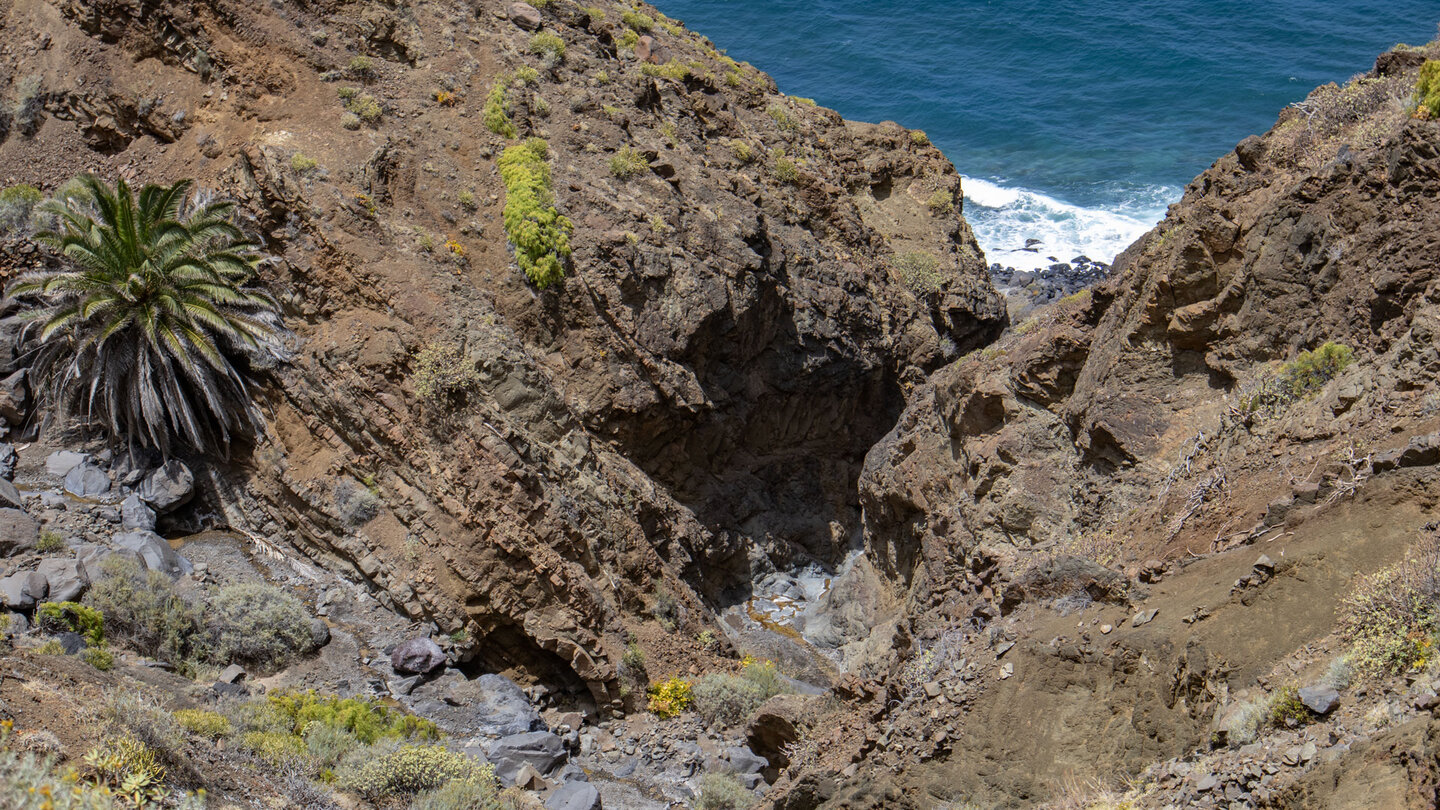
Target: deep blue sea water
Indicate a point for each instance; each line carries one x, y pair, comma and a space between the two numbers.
1073, 122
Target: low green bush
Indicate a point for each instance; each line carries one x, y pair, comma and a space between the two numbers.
143, 610
258, 625
1391, 617
461, 794
722, 791
442, 372
540, 234
727, 700
549, 46
367, 721
1427, 89
212, 725
16, 204
628, 163
496, 113
57, 617
99, 658
1296, 380
50, 542
413, 769
273, 747
637, 21
919, 271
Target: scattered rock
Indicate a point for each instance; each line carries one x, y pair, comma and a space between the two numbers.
1207, 782
541, 750
232, 674
154, 552
1143, 617
1006, 671
1264, 566
574, 796
1319, 699
743, 760
525, 15
60, 462
418, 656
8, 459
1105, 629
18, 532
86, 481
319, 633
23, 591
66, 578
167, 487
134, 514
14, 397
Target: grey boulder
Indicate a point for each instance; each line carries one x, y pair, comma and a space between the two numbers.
134, 514
61, 462
540, 750
574, 796
1319, 699
86, 481
525, 15
154, 552
167, 487
14, 397
18, 532
743, 760
22, 591
67, 579
10, 496
418, 656
8, 460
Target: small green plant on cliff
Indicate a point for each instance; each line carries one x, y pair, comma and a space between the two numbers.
919, 138
941, 202
362, 67
1427, 90
549, 47
50, 542
462, 794
1392, 616
443, 371
496, 113
637, 21
365, 720
726, 700
786, 170
414, 769
29, 103
1286, 708
540, 234
151, 328
666, 610
210, 725
628, 162
669, 697
674, 70
783, 118
919, 271
302, 164
1300, 378
365, 107
742, 151
16, 204
355, 504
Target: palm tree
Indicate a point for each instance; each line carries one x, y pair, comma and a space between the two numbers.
152, 329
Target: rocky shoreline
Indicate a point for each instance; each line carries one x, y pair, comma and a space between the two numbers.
1026, 290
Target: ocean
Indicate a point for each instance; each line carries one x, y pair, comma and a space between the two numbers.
1075, 123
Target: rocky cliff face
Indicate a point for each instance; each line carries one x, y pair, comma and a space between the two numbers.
688, 409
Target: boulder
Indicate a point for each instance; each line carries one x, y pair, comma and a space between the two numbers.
134, 514
19, 624
1319, 699
743, 760
95, 557
8, 460
10, 496
14, 397
574, 796
418, 656
488, 706
154, 552
540, 750
66, 578
525, 15
319, 633
61, 462
167, 487
71, 642
18, 532
86, 481
22, 591
232, 674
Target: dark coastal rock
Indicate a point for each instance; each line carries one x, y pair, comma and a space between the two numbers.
540, 750
18, 532
167, 487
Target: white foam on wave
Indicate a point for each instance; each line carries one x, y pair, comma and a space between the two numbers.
1003, 218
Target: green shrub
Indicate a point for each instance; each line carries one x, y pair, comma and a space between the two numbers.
362, 67
674, 70
919, 271
328, 745
722, 791
627, 163
50, 542
16, 204
1285, 706
366, 108
742, 151
783, 118
549, 46
443, 371
639, 22
919, 138
1427, 89
347, 93
461, 794
728, 700
128, 764
57, 617
99, 658
497, 110
628, 38
466, 198
356, 505
143, 610
540, 234
51, 647
414, 769
365, 720
666, 610
300, 163
1392, 616
272, 746
670, 697
525, 74
786, 170
1303, 376
634, 657
29, 103
204, 723
350, 121
941, 202
258, 625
